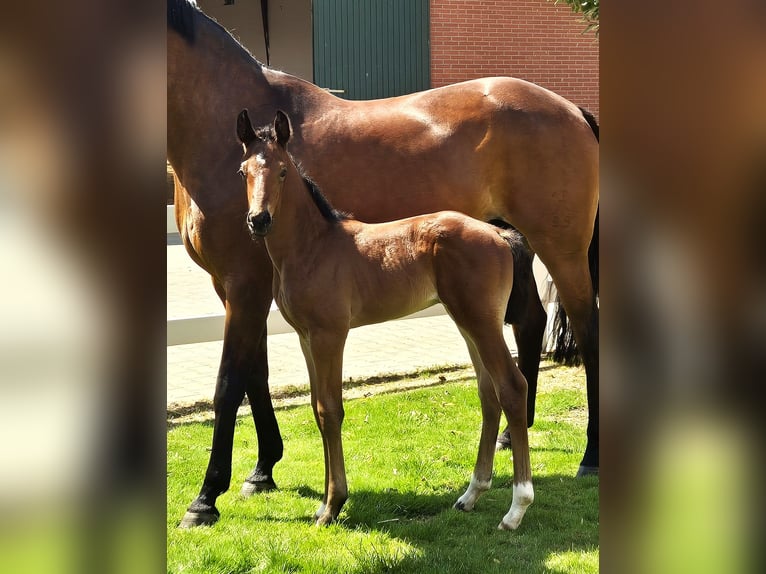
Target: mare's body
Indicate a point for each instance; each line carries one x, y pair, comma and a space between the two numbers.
497, 149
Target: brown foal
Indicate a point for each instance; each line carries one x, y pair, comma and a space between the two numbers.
333, 273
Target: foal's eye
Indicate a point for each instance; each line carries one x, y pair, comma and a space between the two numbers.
283, 172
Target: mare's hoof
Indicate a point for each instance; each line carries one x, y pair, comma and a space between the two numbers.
587, 471
503, 441
251, 487
199, 517
459, 506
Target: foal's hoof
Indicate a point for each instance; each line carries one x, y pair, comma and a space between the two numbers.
325, 520
587, 471
509, 525
323, 517
503, 441
198, 516
251, 487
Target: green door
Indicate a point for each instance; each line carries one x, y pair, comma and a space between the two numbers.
367, 49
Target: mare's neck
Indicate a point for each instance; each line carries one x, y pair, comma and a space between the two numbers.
210, 80
299, 230
206, 78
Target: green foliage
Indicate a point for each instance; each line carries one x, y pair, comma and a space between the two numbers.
409, 455
589, 11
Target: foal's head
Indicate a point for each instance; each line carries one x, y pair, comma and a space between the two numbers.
264, 169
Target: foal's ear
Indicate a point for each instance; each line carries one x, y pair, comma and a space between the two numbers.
282, 128
245, 131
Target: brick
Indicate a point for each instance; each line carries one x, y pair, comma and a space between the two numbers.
534, 39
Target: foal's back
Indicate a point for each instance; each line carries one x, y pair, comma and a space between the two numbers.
404, 266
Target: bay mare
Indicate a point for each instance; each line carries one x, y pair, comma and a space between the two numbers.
497, 149
333, 273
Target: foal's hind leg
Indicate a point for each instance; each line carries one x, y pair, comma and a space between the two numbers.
481, 479
528, 331
501, 385
511, 392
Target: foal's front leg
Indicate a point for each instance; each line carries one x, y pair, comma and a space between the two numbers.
326, 366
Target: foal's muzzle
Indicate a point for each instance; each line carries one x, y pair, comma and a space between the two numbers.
259, 223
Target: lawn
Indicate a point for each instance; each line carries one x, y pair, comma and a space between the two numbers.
409, 455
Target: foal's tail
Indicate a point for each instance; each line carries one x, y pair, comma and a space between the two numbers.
565, 350
522, 276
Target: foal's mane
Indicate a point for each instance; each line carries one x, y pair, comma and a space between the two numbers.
323, 204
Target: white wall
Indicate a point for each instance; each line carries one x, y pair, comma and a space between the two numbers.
290, 31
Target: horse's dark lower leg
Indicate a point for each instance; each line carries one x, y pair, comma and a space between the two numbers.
529, 333
243, 368
529, 340
270, 446
590, 460
229, 392
574, 281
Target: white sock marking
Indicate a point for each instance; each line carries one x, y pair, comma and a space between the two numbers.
523, 496
475, 489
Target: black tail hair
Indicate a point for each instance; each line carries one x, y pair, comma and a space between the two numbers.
591, 119
522, 276
566, 351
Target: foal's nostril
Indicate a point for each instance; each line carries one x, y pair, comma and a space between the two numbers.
259, 223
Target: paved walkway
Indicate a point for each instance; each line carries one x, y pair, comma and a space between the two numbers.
395, 347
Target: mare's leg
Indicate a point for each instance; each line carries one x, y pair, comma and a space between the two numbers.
326, 354
528, 332
481, 479
270, 446
255, 359
573, 282
243, 367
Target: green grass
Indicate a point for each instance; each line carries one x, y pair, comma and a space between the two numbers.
409, 455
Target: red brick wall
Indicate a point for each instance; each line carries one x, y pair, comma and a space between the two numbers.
531, 39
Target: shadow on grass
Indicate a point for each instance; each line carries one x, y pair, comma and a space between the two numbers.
562, 521
415, 529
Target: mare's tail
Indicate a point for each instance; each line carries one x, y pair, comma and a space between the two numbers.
591, 119
565, 350
522, 276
